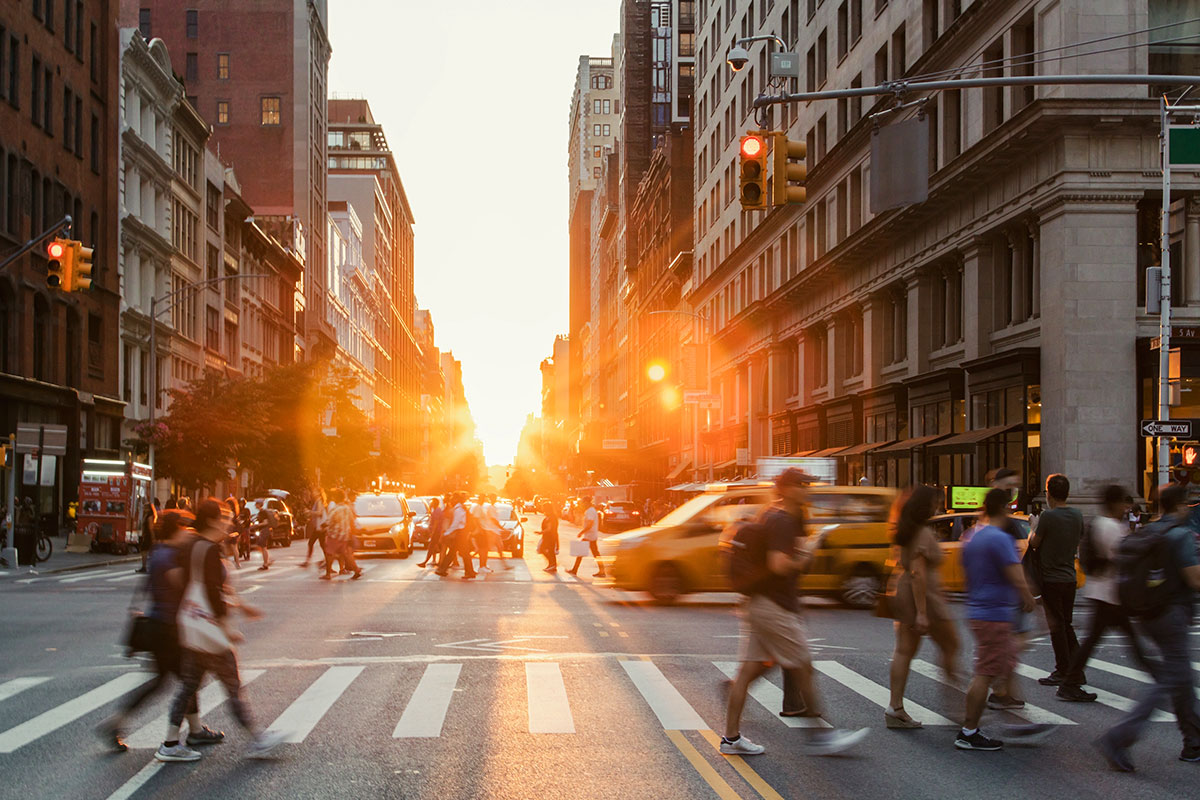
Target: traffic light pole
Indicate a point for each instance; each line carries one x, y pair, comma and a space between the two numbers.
63, 227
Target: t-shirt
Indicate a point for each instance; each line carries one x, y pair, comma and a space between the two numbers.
783, 532
1101, 585
591, 524
990, 597
164, 596
1183, 549
1058, 540
213, 572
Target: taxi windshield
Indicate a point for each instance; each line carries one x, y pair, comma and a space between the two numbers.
688, 510
378, 506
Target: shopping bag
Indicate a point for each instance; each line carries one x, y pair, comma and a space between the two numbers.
579, 548
198, 627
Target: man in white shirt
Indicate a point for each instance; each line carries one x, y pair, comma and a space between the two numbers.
457, 540
493, 529
590, 532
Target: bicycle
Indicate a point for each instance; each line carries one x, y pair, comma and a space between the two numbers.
45, 548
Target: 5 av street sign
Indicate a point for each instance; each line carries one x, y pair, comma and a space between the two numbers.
1179, 428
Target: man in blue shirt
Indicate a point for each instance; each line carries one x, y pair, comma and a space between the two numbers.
995, 586
1169, 632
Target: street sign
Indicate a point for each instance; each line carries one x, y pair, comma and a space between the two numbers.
1179, 428
702, 399
1184, 145
52, 438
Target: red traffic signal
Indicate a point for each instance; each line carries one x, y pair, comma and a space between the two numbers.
752, 183
55, 249
58, 264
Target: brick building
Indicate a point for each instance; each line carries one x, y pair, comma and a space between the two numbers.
58, 156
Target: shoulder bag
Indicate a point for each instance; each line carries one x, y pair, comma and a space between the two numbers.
198, 627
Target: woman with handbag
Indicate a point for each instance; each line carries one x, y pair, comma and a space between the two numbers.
156, 632
207, 636
549, 544
919, 605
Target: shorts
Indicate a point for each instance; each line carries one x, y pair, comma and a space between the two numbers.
773, 634
995, 648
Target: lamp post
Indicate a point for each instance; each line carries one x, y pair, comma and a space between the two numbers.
699, 323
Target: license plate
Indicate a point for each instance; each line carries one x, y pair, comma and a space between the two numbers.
370, 543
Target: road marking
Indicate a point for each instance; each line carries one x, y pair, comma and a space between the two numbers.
1102, 697
379, 635
520, 571
1129, 672
91, 576
426, 709
210, 697
122, 578
18, 685
770, 697
130, 787
764, 789
298, 719
1030, 713
549, 709
673, 712
715, 781
489, 646
68, 712
876, 693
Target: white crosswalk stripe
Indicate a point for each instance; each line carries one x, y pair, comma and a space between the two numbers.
770, 697
18, 685
92, 575
209, 698
1030, 713
672, 710
1129, 672
546, 695
298, 719
68, 712
876, 693
1103, 697
426, 710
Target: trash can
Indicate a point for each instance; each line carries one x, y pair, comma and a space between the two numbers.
25, 540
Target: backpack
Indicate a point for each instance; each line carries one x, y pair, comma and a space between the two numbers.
744, 546
1089, 553
1145, 572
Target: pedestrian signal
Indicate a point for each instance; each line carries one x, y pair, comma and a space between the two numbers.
81, 268
753, 172
58, 265
788, 170
1190, 454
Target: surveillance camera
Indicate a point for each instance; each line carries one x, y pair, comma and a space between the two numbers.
737, 58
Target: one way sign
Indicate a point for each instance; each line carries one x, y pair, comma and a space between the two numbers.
1179, 428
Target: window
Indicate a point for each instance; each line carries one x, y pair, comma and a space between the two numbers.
48, 99
271, 111
144, 23
595, 172
843, 31
66, 118
79, 30
822, 57
14, 71
993, 96
687, 44
95, 144
595, 130
607, 107
193, 23
95, 346
222, 112
607, 130
192, 68
212, 262
881, 65
597, 151
49, 15
78, 143
855, 20
855, 102
212, 209
899, 52
92, 60
127, 373
35, 92
68, 26
595, 106
212, 328
223, 66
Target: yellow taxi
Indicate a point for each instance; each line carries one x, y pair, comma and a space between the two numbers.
680, 553
950, 528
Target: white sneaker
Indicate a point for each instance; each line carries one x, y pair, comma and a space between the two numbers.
177, 753
740, 746
828, 743
265, 744
484, 569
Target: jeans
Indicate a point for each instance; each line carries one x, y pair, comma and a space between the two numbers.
459, 545
1105, 616
1172, 672
1058, 600
224, 668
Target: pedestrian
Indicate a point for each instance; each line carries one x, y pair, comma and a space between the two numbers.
185, 503
590, 533
232, 546
242, 524
146, 536
494, 533
548, 546
314, 529
199, 562
458, 538
1002, 698
172, 501
448, 557
339, 536
920, 606
1056, 542
772, 626
264, 524
995, 584
433, 546
1169, 544
163, 586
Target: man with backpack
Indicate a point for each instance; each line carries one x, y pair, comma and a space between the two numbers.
458, 540
766, 560
1158, 575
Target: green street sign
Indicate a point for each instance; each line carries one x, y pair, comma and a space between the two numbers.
1183, 146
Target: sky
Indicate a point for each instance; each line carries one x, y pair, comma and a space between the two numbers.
474, 98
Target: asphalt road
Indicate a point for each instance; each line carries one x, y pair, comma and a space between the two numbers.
518, 685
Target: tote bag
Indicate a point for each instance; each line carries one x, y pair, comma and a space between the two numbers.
579, 548
198, 628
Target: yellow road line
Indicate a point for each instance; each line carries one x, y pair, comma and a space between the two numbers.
706, 770
745, 770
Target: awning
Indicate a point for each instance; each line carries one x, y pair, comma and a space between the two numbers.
906, 445
804, 454
683, 487
679, 468
860, 449
967, 442
827, 452
731, 462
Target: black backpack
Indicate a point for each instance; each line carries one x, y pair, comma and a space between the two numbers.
1089, 554
1145, 572
744, 546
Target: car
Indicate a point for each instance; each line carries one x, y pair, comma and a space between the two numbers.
420, 506
619, 515
283, 531
950, 528
513, 537
681, 552
383, 523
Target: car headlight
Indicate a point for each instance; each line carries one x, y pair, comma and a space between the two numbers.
397, 529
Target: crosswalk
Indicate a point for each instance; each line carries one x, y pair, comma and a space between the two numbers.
677, 694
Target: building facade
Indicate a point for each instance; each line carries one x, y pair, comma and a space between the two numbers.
58, 128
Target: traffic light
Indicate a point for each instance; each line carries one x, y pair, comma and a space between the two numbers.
81, 268
1190, 454
58, 266
752, 189
788, 170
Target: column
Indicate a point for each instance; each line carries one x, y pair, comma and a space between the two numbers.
832, 373
1016, 295
1035, 269
1191, 251
978, 298
920, 300
873, 339
751, 407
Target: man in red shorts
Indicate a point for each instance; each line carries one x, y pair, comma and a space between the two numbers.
995, 589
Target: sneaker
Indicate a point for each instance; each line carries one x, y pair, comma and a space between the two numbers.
828, 743
205, 735
976, 741
1074, 694
1053, 679
1002, 702
1028, 734
1117, 757
1190, 754
740, 746
265, 744
176, 753
356, 575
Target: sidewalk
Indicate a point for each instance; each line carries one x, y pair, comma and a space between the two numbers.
62, 561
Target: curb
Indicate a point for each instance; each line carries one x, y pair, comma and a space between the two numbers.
78, 567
